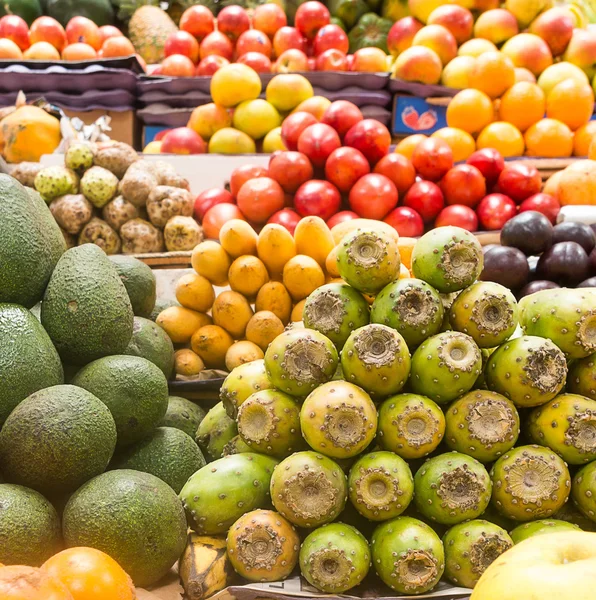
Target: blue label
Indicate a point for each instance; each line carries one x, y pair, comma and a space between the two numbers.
416, 115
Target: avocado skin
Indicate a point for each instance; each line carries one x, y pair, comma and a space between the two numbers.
184, 415
139, 281
150, 341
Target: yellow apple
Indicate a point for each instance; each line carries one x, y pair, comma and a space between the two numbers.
233, 84
287, 90
256, 118
231, 141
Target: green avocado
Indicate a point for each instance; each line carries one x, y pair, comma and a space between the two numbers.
139, 281
150, 341
184, 415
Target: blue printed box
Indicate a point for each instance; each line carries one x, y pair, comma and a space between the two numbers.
415, 115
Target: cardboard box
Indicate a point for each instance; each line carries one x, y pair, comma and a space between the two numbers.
124, 124
412, 114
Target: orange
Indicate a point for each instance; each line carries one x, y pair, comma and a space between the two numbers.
461, 142
90, 575
26, 583
407, 145
476, 47
504, 137
583, 138
523, 74
571, 103
470, 110
522, 105
549, 138
495, 74
592, 151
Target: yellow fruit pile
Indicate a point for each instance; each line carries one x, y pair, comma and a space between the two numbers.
267, 278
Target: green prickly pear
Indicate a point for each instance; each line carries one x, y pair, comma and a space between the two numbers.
470, 548
583, 490
408, 555
338, 419
335, 558
236, 446
376, 358
570, 513
543, 527
242, 382
582, 377
335, 310
221, 492
449, 258
215, 431
410, 306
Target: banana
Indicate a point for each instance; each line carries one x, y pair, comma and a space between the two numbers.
204, 567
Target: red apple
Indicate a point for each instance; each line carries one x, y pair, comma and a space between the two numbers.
318, 142
260, 198
555, 26
245, 173
489, 162
341, 217
458, 216
216, 43
495, 210
290, 170
373, 196
46, 29
183, 140
159, 136
182, 42
153, 70
212, 63
269, 18
256, 61
310, 17
399, 169
84, 31
253, 40
293, 125
369, 60
342, 116
406, 221
432, 158
458, 20
205, 200
331, 60
344, 167
232, 21
463, 184
426, 198
288, 38
286, 217
402, 34
312, 63
519, 181
371, 138
109, 31
198, 21
317, 198
15, 29
178, 65
328, 37
291, 61
543, 203
350, 59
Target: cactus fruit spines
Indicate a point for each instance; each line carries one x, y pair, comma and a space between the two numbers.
407, 555
410, 425
338, 419
335, 310
583, 490
567, 425
449, 258
582, 377
263, 546
269, 423
380, 485
215, 431
242, 382
487, 312
308, 489
451, 488
368, 260
410, 306
376, 358
570, 513
445, 366
470, 548
236, 446
335, 558
482, 424
565, 316
545, 526
528, 370
529, 483
299, 360
222, 491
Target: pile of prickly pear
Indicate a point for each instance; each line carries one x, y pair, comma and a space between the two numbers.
414, 428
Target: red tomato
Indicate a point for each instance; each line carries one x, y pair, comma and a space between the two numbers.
243, 174
373, 196
216, 216
318, 142
463, 184
318, 198
371, 138
293, 126
290, 170
426, 198
459, 216
287, 218
260, 198
543, 203
345, 166
341, 217
205, 200
519, 181
495, 210
407, 222
399, 169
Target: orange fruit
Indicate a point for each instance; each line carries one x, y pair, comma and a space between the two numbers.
476, 47
78, 51
90, 575
116, 47
549, 138
592, 151
407, 145
461, 142
504, 137
495, 74
571, 103
26, 583
583, 138
523, 74
522, 105
470, 110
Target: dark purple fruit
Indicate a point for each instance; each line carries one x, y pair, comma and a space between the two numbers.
537, 286
566, 263
575, 232
530, 231
486, 248
593, 262
591, 283
507, 266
